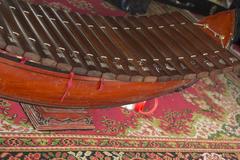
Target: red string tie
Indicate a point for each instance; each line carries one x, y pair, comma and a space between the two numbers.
24, 60
68, 87
100, 84
139, 107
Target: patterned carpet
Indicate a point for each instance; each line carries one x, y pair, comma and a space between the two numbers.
207, 110
201, 122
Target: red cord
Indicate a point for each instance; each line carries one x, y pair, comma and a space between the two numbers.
139, 107
68, 87
100, 84
24, 60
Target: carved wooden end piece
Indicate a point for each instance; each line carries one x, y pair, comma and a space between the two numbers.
50, 119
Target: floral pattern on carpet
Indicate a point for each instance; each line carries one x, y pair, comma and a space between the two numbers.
100, 155
207, 110
13, 119
64, 142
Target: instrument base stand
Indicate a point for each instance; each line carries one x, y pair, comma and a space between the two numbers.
50, 119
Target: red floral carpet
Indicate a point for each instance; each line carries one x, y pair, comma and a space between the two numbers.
201, 122
207, 110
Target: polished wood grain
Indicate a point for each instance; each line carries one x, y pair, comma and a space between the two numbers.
129, 49
38, 86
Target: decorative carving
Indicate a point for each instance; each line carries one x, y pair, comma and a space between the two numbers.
44, 118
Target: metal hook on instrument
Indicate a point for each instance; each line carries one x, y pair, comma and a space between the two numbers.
140, 63
157, 67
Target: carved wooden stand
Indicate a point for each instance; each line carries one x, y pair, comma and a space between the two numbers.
43, 118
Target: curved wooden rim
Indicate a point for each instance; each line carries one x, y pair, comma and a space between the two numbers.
38, 86
45, 71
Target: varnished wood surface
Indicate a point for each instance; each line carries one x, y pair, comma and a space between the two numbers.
223, 24
167, 48
38, 86
137, 49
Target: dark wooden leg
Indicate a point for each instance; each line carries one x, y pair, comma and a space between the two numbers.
49, 119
